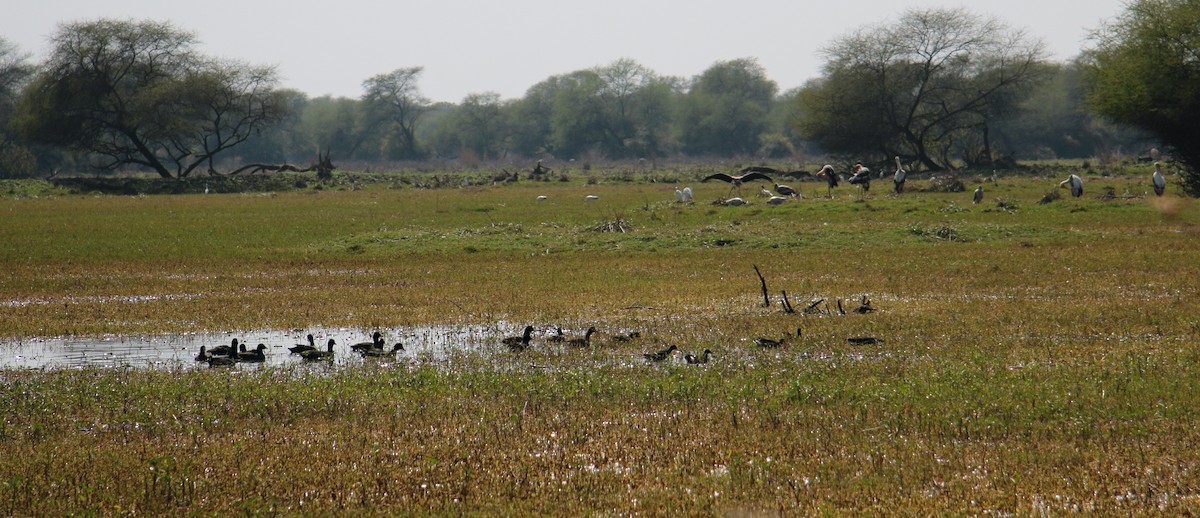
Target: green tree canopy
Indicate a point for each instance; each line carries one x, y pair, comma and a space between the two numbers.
726, 109
136, 93
15, 159
1145, 72
927, 87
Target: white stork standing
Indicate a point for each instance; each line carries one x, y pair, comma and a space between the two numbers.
1076, 184
687, 194
900, 176
1160, 184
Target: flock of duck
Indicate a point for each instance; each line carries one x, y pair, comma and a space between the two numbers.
236, 352
523, 342
229, 355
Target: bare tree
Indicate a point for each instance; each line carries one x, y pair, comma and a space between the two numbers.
927, 86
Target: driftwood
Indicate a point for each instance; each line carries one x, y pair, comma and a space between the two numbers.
812, 308
787, 304
323, 166
863, 340
766, 299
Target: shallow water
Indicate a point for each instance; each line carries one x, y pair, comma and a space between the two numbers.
176, 351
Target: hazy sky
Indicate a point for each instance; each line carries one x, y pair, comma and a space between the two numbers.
330, 47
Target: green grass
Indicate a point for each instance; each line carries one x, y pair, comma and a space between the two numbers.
1036, 358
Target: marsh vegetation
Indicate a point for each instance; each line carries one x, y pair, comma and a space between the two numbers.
1030, 357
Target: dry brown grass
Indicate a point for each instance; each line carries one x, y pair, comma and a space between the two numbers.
1041, 363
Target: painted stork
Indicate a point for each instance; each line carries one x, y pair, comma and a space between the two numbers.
861, 177
830, 176
737, 181
1075, 183
901, 175
1160, 184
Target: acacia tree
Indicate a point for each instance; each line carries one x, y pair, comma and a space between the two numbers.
928, 87
136, 93
1145, 72
395, 103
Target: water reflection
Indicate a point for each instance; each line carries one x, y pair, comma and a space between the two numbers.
173, 351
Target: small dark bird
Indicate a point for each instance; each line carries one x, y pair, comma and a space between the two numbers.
582, 342
259, 354
693, 359
299, 348
318, 354
223, 361
978, 195
381, 353
768, 342
225, 350
375, 343
556, 337
865, 307
519, 343
659, 356
633, 335
737, 180
203, 356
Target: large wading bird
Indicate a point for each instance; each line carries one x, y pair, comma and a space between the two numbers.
1075, 183
1160, 184
830, 176
736, 181
900, 176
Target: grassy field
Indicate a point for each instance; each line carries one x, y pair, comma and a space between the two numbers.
1034, 358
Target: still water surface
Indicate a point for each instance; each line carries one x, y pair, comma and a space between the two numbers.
174, 351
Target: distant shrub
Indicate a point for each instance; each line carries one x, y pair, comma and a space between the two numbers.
1050, 197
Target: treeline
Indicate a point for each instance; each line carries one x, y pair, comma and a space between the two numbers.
942, 88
